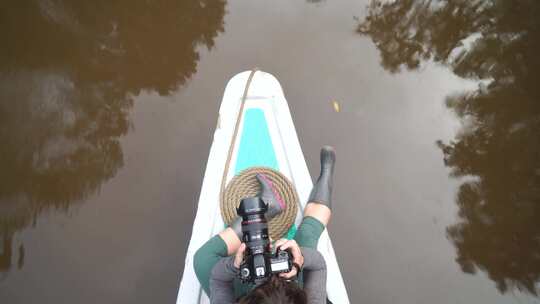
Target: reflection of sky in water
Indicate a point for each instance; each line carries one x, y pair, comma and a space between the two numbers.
498, 144
67, 80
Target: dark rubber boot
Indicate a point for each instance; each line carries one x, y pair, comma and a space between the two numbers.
270, 197
322, 190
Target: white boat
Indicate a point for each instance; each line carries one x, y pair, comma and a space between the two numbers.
265, 136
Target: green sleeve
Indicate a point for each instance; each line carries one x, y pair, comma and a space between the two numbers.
206, 258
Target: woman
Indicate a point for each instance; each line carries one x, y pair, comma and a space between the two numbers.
217, 262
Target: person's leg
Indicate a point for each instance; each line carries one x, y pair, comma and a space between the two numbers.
318, 210
320, 200
309, 232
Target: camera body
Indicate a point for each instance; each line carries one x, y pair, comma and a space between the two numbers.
259, 261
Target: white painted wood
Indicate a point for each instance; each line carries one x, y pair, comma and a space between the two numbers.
265, 93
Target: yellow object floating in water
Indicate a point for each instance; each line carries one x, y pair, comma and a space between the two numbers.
336, 105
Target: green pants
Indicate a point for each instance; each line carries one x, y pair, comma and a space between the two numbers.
215, 248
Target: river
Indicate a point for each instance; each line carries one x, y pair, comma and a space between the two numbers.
107, 111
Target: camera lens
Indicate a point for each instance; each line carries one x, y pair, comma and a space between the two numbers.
254, 225
255, 236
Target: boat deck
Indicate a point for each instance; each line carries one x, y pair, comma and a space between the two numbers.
266, 137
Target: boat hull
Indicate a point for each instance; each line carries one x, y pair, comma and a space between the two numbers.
265, 136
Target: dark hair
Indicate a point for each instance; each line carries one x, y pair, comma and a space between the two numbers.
276, 291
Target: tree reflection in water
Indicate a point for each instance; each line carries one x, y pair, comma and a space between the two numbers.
498, 148
67, 76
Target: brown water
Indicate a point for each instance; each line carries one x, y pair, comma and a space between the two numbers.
107, 111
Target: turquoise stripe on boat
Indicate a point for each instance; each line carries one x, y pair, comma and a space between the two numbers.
256, 149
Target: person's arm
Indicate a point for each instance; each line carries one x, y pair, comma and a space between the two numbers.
314, 276
206, 258
313, 267
221, 281
222, 277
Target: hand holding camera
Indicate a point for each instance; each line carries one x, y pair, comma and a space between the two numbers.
297, 257
285, 245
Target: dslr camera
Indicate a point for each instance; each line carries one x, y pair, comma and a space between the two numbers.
259, 262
